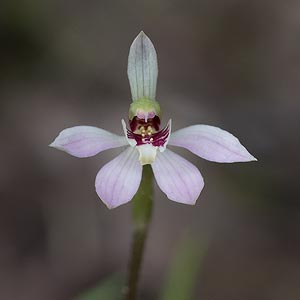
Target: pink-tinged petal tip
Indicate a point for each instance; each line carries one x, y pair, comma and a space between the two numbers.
211, 143
118, 181
86, 141
179, 179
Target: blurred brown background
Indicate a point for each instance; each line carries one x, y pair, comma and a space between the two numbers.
233, 64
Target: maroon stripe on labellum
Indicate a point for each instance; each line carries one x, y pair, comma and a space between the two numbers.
146, 133
136, 123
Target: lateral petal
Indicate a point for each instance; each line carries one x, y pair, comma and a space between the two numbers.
179, 179
118, 181
211, 143
86, 141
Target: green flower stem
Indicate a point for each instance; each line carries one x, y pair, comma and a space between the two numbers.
142, 211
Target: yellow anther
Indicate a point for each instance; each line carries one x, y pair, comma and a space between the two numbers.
149, 132
143, 134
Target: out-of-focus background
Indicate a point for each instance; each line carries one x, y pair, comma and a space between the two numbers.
233, 64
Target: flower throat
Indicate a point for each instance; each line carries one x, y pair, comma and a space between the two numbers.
147, 132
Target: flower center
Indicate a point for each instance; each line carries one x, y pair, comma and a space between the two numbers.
136, 124
148, 132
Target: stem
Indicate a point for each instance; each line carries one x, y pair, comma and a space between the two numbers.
141, 214
135, 264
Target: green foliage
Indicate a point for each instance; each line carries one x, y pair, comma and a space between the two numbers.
109, 289
182, 276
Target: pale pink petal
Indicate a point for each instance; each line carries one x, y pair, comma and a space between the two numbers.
211, 143
180, 180
142, 68
118, 181
86, 141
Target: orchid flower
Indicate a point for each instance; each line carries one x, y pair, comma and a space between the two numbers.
146, 143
